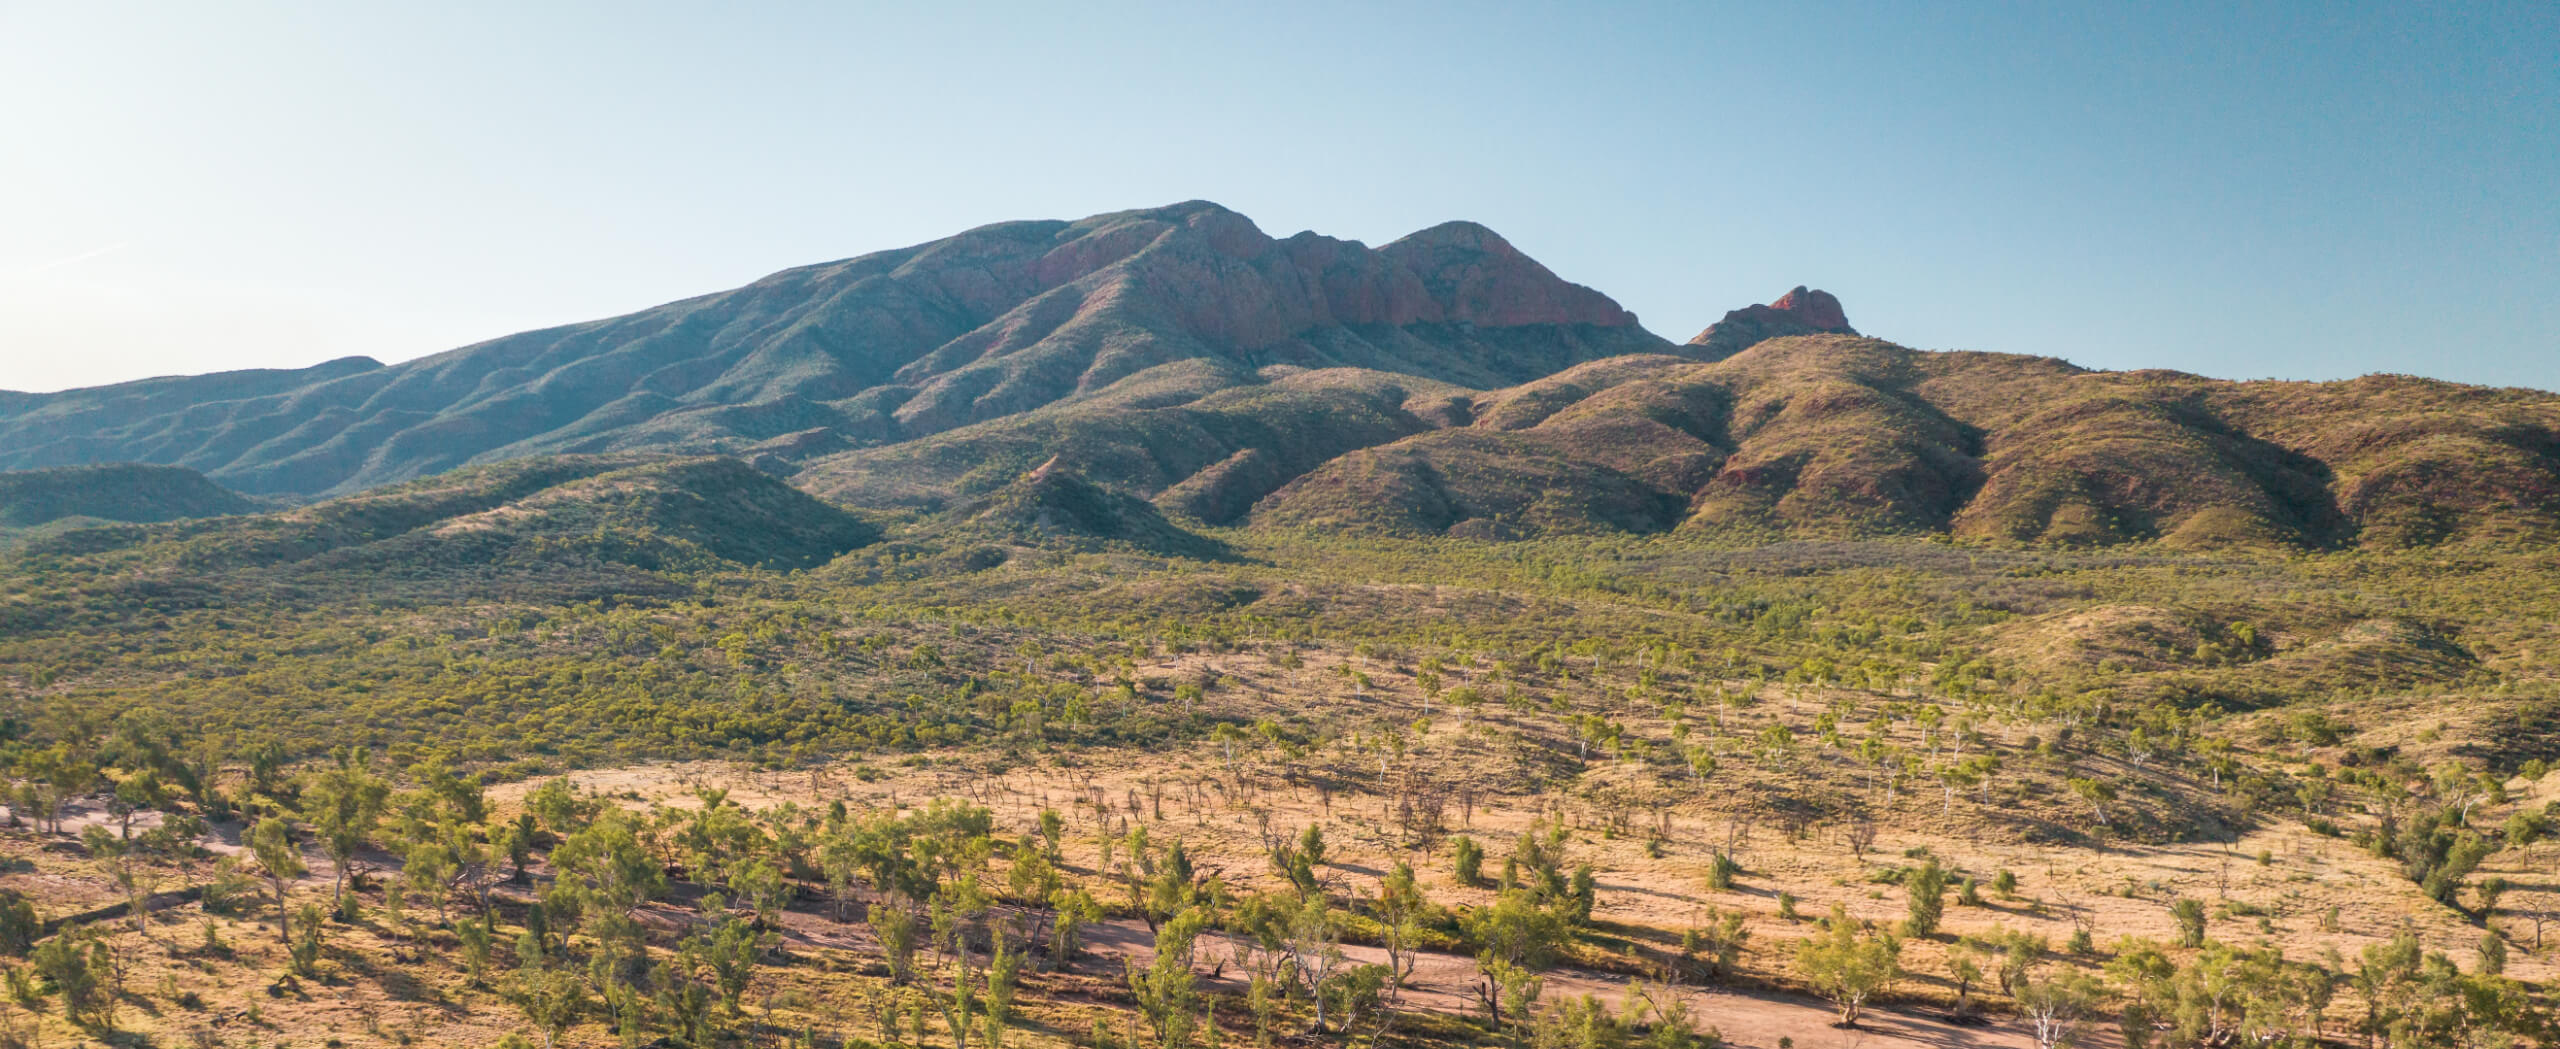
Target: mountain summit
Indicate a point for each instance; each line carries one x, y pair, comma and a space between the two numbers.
1802, 311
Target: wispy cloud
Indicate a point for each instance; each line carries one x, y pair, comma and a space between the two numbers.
67, 260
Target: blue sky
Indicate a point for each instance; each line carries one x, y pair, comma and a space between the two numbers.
2237, 189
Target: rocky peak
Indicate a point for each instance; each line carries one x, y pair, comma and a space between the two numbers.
1802, 311
1476, 277
1818, 308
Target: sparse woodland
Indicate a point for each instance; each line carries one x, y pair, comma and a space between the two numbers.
579, 778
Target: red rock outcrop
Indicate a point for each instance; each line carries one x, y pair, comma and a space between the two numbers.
1818, 308
1145, 288
1803, 311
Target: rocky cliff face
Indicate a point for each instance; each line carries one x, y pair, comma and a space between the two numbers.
1199, 281
1802, 311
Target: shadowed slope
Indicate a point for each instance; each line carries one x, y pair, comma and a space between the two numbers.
112, 492
580, 522
1052, 506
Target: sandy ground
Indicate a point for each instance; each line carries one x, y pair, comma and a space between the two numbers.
2277, 885
2122, 891
2119, 891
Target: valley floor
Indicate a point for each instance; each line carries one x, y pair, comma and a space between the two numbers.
2279, 884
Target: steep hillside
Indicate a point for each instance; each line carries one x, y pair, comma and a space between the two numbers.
886, 347
1213, 442
1818, 435
551, 526
1829, 435
112, 492
680, 513
1052, 506
1472, 483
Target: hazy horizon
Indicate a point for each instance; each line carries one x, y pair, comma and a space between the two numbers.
2241, 192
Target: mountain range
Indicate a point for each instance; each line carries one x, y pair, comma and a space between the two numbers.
886, 347
1064, 375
